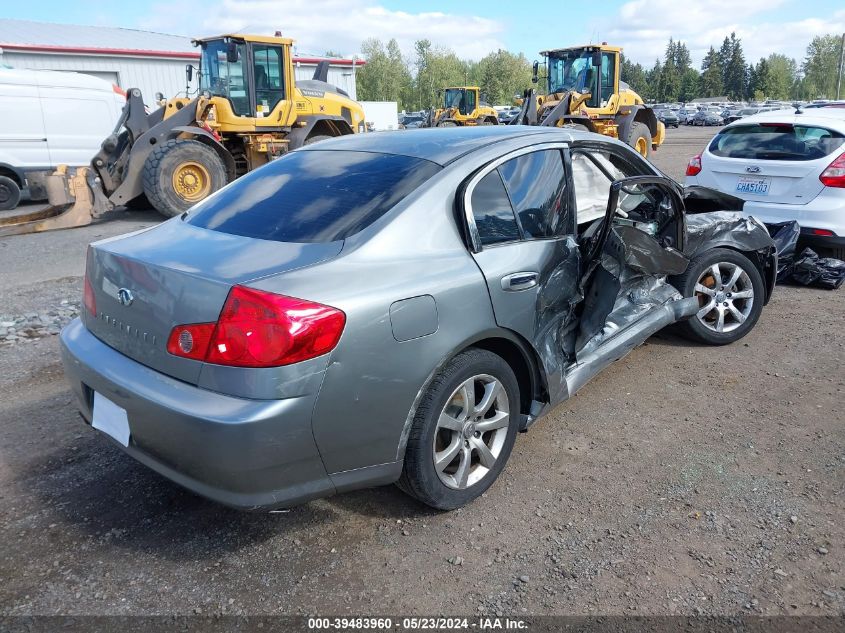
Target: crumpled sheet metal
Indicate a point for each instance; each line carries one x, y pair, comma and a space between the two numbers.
807, 269
725, 228
556, 318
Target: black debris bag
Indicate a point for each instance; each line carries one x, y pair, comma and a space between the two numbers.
807, 269
823, 272
785, 236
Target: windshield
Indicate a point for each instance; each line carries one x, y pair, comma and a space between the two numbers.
460, 98
574, 71
222, 78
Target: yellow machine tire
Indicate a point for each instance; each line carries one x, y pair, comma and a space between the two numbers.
181, 172
640, 139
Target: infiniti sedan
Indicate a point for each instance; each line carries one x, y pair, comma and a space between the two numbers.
386, 308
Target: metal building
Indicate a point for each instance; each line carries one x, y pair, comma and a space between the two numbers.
153, 62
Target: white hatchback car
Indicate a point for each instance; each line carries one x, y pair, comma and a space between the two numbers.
787, 165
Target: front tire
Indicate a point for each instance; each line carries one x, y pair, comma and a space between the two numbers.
180, 173
10, 194
730, 291
640, 139
463, 431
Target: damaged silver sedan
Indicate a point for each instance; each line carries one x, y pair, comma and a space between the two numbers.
396, 308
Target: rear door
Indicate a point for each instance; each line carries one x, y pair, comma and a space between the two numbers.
522, 224
770, 162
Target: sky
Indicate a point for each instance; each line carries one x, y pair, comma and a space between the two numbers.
472, 29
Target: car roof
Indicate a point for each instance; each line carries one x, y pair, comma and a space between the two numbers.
826, 117
440, 145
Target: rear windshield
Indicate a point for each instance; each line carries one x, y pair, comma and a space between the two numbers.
313, 196
774, 141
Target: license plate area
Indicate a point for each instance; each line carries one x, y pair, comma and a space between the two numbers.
757, 186
110, 419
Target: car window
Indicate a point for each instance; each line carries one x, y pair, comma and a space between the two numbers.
492, 211
536, 184
312, 195
776, 141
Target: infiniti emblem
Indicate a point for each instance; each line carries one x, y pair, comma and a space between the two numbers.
753, 169
124, 295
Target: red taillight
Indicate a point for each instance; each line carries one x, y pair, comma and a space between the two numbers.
190, 341
821, 232
694, 165
261, 329
88, 297
834, 175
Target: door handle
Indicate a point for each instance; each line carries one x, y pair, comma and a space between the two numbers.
520, 281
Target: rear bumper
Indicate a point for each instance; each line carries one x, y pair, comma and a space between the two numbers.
248, 454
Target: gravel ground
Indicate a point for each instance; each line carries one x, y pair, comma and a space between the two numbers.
683, 480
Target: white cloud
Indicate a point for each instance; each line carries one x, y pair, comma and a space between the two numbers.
645, 26
321, 25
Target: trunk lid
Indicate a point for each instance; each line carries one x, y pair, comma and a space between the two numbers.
173, 274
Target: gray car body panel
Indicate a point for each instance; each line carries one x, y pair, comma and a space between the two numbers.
413, 299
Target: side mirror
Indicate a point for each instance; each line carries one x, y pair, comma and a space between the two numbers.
535, 71
597, 59
231, 52
159, 96
189, 72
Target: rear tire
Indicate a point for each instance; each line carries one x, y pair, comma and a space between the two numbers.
640, 139
316, 139
735, 298
451, 424
181, 172
10, 194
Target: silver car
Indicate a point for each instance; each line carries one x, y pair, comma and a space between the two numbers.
396, 307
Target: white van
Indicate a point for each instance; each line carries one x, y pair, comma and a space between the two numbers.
49, 118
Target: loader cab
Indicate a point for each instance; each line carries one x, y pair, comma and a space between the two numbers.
586, 70
253, 76
464, 99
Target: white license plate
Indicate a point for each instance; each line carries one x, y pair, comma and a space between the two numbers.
755, 186
110, 419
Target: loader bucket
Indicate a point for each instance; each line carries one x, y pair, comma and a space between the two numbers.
71, 204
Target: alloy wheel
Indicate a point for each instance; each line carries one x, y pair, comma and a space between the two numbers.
471, 431
726, 297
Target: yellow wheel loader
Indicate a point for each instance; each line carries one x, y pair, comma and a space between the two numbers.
250, 110
462, 106
584, 90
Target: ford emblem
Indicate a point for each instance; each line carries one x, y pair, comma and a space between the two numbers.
753, 169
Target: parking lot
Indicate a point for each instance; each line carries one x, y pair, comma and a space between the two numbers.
683, 480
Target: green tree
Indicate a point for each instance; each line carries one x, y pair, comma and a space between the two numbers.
821, 66
385, 76
634, 75
501, 76
690, 85
437, 68
783, 73
734, 71
712, 82
670, 75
